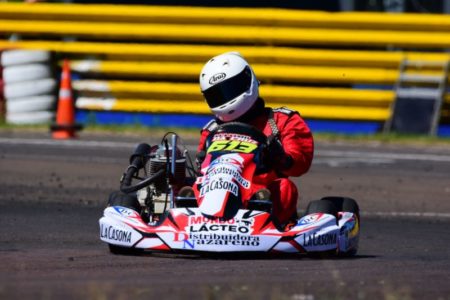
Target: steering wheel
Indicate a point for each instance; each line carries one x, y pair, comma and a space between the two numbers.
249, 130
238, 128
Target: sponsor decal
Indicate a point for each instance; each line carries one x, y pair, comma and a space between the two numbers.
309, 219
219, 184
124, 211
219, 227
202, 219
223, 169
203, 224
205, 231
348, 226
224, 136
232, 142
216, 78
225, 240
236, 146
315, 239
111, 233
191, 240
352, 243
226, 168
232, 159
184, 238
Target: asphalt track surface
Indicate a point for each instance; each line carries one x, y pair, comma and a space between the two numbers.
52, 194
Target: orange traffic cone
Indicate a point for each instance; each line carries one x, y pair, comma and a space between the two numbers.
65, 126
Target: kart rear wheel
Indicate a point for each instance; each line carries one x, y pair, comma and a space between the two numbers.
326, 207
322, 206
114, 249
125, 200
344, 204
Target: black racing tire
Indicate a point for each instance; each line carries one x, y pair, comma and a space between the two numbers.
322, 206
344, 204
326, 207
114, 249
121, 199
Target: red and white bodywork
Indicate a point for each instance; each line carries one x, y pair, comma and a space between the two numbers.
187, 229
222, 221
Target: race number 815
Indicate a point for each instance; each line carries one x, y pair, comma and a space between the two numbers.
237, 146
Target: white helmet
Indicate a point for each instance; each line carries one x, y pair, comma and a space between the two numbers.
229, 86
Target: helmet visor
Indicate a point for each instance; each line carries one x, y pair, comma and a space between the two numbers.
229, 89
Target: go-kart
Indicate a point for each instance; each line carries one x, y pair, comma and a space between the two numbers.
151, 213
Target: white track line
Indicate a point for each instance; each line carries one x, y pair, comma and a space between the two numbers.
319, 153
67, 143
384, 155
433, 215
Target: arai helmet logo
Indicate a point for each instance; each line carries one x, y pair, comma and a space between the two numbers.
217, 78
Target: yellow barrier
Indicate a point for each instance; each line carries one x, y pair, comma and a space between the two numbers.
268, 38
225, 16
255, 54
199, 107
265, 72
228, 34
282, 95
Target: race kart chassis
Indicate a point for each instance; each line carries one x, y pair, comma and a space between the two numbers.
186, 224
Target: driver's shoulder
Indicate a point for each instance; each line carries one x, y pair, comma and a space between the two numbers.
286, 118
210, 126
283, 110
281, 115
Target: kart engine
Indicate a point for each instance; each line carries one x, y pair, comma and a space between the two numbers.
156, 196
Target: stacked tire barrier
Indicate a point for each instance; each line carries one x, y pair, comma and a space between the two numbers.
30, 86
140, 64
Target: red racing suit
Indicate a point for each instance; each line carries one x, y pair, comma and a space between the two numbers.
297, 141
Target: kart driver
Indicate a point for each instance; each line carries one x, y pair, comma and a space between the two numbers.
231, 91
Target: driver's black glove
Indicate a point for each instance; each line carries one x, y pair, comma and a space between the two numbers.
276, 157
199, 158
